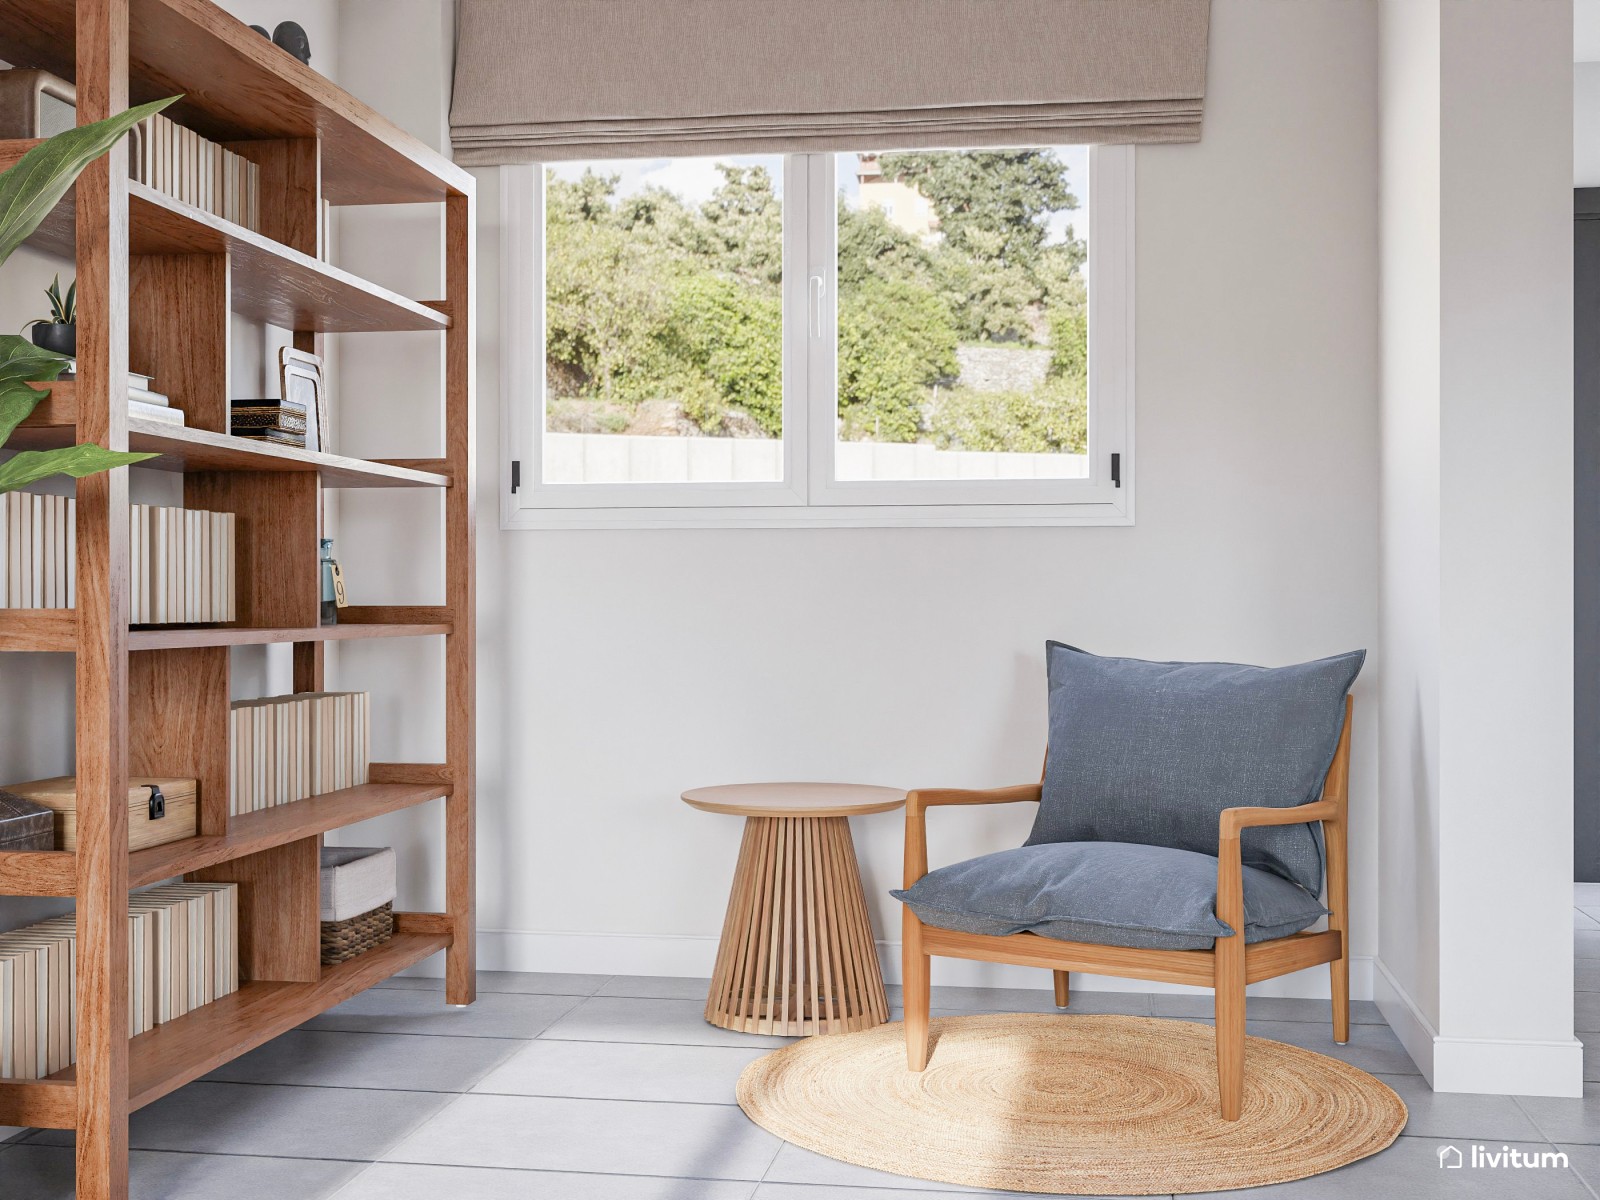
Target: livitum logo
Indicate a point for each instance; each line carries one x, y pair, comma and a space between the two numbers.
1452, 1158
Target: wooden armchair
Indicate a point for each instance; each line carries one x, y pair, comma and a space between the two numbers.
1226, 969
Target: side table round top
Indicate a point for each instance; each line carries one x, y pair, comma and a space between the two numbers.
795, 799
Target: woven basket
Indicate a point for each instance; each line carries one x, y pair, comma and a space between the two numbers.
342, 940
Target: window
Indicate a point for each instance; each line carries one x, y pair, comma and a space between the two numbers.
919, 337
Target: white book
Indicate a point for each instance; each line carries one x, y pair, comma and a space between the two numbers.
263, 744
13, 511
155, 412
202, 533
5, 558
35, 551
142, 392
135, 567
191, 559
8, 1016
174, 564
72, 554
154, 564
47, 558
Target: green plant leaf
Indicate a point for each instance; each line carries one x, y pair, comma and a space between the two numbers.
42, 176
30, 466
21, 362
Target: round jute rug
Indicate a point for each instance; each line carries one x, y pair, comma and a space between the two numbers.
1086, 1105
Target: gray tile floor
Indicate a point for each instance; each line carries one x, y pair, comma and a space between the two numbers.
590, 1087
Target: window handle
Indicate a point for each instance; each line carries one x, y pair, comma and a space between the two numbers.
819, 286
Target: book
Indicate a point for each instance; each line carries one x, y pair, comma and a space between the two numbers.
183, 952
287, 748
178, 162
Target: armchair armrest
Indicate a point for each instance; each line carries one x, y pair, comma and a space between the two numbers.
1236, 819
1230, 871
918, 803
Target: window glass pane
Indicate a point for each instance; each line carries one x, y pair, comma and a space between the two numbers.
963, 317
664, 321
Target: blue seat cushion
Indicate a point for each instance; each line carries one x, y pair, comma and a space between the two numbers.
1107, 893
1152, 752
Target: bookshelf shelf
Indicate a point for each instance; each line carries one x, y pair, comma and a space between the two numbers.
38, 873
184, 448
181, 1051
236, 86
157, 282
168, 638
54, 630
55, 873
38, 629
272, 283
254, 832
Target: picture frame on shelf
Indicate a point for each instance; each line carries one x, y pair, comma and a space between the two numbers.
301, 381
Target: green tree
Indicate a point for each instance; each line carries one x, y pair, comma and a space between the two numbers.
724, 342
871, 248
604, 306
1050, 419
896, 340
741, 226
1010, 193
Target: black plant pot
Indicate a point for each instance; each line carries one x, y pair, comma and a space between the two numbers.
63, 339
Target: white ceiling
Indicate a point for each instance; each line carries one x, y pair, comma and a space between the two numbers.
1586, 31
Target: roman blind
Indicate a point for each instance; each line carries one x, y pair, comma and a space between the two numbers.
563, 79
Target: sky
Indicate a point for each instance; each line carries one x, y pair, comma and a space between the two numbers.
695, 179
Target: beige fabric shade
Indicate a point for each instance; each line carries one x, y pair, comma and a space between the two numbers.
563, 79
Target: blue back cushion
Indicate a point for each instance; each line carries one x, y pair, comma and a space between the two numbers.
1152, 752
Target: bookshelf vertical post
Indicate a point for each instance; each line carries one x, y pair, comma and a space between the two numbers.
103, 607
460, 426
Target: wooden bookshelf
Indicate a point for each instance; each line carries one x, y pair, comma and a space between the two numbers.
157, 282
181, 1051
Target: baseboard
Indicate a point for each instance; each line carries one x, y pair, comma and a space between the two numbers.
689, 956
1504, 1067
1490, 1066
1410, 1023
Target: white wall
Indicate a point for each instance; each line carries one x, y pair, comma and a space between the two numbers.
1477, 614
1586, 124
1409, 763
618, 668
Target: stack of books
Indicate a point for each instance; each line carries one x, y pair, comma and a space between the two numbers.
181, 560
181, 565
196, 171
183, 952
280, 421
142, 400
286, 748
38, 551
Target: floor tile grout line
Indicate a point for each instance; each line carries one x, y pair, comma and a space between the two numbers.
418, 1091
767, 1170
393, 1162
334, 1158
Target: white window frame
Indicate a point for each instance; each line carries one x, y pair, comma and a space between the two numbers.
809, 496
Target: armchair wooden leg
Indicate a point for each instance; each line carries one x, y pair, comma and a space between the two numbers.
914, 972
1339, 968
1062, 997
1229, 982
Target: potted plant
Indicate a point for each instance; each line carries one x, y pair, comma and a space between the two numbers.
59, 331
29, 189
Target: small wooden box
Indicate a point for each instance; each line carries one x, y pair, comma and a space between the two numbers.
175, 804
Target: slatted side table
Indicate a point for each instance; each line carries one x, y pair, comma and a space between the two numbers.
797, 954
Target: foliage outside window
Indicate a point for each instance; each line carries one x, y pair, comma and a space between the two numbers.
682, 303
